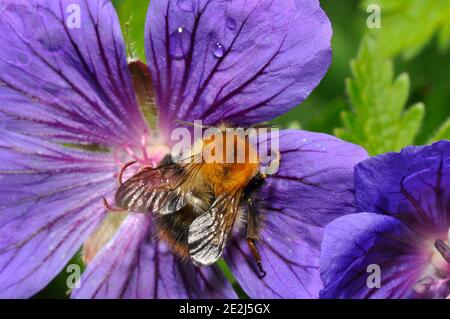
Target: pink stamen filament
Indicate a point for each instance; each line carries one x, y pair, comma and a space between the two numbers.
132, 154
144, 146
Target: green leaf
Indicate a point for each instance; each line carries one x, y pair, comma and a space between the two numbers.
378, 120
407, 26
443, 133
58, 287
229, 275
132, 16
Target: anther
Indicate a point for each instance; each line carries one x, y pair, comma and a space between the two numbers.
444, 249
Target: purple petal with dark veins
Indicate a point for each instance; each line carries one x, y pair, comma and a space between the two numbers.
240, 62
353, 243
50, 201
413, 185
313, 186
135, 265
64, 82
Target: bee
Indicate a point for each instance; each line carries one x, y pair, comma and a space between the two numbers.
197, 203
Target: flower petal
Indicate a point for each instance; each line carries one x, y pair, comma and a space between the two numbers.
50, 200
66, 81
240, 62
134, 265
413, 185
313, 186
353, 243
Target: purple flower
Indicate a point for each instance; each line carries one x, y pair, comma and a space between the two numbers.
403, 230
239, 62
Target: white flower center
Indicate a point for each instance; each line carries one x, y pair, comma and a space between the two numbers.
149, 152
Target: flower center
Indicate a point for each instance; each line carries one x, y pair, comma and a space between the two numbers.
441, 256
148, 152
435, 281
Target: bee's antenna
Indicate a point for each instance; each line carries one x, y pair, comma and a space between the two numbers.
122, 170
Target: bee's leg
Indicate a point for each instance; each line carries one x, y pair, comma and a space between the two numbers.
112, 209
122, 170
252, 237
254, 251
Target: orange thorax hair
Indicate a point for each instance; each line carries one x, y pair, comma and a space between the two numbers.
229, 162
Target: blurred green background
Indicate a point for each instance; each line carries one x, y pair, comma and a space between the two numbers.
396, 92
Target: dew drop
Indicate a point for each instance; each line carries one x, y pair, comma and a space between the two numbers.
179, 43
164, 249
218, 50
231, 23
22, 58
186, 5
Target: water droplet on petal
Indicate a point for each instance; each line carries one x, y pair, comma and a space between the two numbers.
164, 249
186, 5
179, 43
22, 58
218, 50
231, 23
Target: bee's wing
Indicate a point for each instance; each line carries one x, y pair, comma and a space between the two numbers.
208, 233
163, 190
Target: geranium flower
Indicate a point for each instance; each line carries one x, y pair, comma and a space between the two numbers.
403, 230
66, 90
